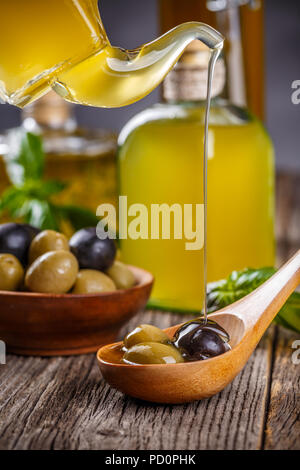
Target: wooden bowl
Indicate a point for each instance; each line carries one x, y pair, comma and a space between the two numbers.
54, 325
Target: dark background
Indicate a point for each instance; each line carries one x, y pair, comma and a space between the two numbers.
130, 23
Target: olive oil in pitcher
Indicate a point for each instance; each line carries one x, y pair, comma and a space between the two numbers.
63, 45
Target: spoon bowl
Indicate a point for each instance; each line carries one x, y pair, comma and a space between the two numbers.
245, 321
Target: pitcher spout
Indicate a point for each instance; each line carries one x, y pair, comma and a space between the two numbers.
115, 77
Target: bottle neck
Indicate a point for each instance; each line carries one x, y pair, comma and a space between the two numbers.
49, 113
228, 21
188, 79
220, 5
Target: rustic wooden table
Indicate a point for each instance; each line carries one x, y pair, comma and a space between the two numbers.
62, 403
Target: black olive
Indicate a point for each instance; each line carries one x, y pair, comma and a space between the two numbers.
90, 251
33, 231
198, 340
15, 239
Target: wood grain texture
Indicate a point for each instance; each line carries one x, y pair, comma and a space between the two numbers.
283, 421
64, 404
287, 215
283, 414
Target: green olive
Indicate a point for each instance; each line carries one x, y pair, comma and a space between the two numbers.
54, 273
145, 334
121, 275
11, 272
89, 281
152, 353
46, 241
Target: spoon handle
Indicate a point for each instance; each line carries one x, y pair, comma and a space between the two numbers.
259, 308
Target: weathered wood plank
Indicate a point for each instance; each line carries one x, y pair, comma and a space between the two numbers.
287, 215
64, 404
283, 414
283, 422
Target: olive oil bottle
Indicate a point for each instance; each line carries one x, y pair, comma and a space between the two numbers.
161, 161
83, 158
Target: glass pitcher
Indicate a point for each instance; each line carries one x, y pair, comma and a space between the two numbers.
62, 44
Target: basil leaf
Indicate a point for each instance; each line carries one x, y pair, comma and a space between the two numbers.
29, 197
79, 217
40, 189
12, 201
8, 198
25, 159
41, 214
290, 312
241, 283
50, 187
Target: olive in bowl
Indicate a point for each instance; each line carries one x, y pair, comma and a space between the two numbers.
121, 275
47, 240
90, 281
11, 272
15, 239
92, 252
54, 272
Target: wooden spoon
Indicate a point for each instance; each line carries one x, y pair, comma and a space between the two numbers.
245, 321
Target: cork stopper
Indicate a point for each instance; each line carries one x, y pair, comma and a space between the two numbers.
188, 79
51, 112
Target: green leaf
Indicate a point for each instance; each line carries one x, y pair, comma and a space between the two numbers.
25, 159
50, 187
29, 197
8, 198
79, 217
12, 201
237, 285
241, 283
290, 312
40, 189
41, 214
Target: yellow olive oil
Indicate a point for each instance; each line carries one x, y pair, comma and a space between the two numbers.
39, 39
